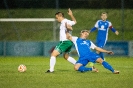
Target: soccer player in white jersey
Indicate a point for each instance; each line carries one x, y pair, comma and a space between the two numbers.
83, 47
65, 45
103, 27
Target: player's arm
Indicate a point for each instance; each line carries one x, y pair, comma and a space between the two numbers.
113, 29
72, 38
68, 35
93, 46
117, 33
71, 15
104, 51
93, 29
69, 27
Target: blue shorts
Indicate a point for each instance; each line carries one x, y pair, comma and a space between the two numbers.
88, 58
101, 42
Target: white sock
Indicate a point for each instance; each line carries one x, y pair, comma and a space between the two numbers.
71, 60
52, 63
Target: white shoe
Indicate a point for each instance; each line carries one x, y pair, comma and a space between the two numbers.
116, 72
94, 69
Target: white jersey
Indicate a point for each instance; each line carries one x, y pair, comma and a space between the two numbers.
63, 29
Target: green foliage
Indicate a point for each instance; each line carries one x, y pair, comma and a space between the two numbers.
64, 75
86, 18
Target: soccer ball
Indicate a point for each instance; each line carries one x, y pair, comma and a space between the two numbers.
22, 68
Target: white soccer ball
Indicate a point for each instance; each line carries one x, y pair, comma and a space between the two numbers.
22, 68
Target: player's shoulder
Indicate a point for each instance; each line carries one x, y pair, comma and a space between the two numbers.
65, 20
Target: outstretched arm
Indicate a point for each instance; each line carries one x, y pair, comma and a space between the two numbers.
116, 32
102, 50
93, 29
71, 15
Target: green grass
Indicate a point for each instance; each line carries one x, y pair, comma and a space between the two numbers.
86, 18
64, 75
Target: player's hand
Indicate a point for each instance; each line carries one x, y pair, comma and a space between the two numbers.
110, 52
69, 27
70, 12
117, 33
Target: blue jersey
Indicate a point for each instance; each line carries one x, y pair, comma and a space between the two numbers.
103, 28
83, 46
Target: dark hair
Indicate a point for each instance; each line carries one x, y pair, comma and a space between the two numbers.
60, 14
103, 13
84, 31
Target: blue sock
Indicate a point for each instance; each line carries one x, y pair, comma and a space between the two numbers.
84, 69
107, 66
101, 55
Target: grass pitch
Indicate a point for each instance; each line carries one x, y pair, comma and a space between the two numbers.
64, 75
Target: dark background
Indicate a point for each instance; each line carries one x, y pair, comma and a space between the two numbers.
93, 4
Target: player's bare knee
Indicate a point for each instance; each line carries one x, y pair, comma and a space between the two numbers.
77, 66
99, 60
66, 56
55, 53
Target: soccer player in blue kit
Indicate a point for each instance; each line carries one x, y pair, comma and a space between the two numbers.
103, 27
83, 47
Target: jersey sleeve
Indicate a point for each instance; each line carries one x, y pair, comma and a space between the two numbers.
96, 25
93, 46
111, 27
74, 38
110, 24
70, 22
93, 29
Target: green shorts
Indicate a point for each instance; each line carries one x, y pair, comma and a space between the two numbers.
64, 46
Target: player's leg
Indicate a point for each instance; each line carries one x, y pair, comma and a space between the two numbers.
66, 48
101, 54
63, 46
80, 66
98, 43
107, 65
101, 43
69, 58
54, 54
